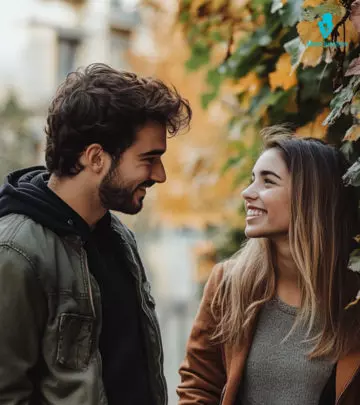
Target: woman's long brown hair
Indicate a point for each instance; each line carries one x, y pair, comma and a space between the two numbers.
322, 225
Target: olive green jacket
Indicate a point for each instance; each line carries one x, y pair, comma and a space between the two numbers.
50, 318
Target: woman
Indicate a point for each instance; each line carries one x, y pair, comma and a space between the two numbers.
272, 328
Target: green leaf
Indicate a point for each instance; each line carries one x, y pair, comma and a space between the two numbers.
216, 36
261, 37
354, 261
277, 110
347, 149
352, 176
295, 48
207, 98
315, 84
313, 13
265, 98
241, 177
184, 17
259, 100
260, 3
276, 6
231, 162
341, 100
292, 13
200, 56
214, 78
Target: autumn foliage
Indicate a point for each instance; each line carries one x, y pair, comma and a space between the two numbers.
276, 61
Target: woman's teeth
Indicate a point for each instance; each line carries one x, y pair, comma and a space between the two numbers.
254, 213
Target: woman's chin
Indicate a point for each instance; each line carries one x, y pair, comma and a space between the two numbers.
250, 232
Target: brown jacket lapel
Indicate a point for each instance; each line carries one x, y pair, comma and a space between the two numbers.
345, 371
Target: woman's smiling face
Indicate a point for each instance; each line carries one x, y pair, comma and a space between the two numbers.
267, 198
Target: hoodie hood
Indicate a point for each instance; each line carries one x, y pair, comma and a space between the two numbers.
26, 192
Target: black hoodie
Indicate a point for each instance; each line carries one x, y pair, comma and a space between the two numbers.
121, 342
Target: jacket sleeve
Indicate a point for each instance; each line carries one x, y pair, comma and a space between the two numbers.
22, 314
203, 373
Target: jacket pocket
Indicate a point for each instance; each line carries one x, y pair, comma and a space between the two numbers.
75, 341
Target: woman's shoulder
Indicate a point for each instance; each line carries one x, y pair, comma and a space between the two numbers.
220, 270
217, 274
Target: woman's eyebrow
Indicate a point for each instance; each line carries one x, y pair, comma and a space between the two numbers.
266, 173
269, 172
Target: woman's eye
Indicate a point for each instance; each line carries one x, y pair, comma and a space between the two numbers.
267, 181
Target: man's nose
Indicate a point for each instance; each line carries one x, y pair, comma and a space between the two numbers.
158, 173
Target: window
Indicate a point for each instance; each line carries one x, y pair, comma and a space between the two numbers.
119, 45
67, 48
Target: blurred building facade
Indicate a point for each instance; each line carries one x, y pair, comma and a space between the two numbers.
47, 40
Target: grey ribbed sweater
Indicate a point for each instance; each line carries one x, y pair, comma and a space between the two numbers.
279, 373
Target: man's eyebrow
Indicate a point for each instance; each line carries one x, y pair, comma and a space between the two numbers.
153, 152
266, 173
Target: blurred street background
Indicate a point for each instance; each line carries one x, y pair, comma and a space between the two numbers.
242, 64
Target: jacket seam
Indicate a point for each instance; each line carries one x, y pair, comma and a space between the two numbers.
11, 246
27, 258
17, 225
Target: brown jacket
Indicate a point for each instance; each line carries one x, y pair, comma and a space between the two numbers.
211, 374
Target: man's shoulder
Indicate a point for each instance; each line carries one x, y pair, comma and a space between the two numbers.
22, 233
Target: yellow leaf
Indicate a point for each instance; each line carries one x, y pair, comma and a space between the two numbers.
309, 32
352, 134
312, 56
314, 129
310, 36
311, 3
282, 77
249, 83
216, 5
236, 6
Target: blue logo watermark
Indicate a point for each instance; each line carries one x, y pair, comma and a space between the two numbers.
326, 26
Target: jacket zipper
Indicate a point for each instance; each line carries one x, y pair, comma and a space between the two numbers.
357, 372
158, 333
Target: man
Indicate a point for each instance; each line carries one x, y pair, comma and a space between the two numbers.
77, 321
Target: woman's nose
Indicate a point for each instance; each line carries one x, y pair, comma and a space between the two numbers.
250, 193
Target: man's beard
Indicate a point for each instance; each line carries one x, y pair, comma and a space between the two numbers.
120, 197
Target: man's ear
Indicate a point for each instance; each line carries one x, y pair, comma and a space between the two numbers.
95, 159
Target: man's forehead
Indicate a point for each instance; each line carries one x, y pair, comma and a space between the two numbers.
151, 139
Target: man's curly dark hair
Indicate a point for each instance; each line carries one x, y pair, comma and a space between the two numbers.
102, 105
